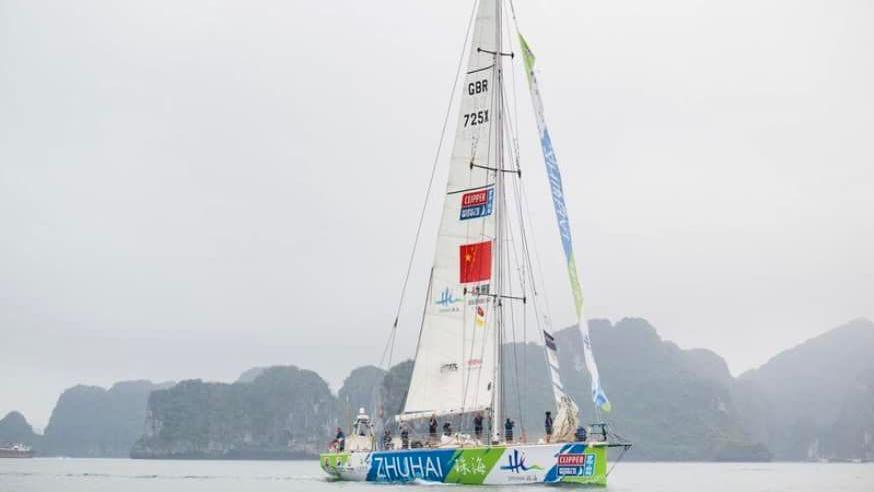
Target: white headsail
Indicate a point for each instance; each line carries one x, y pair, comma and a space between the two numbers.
455, 358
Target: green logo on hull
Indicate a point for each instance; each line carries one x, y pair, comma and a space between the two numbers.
471, 466
331, 461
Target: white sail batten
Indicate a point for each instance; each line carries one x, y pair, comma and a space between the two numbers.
455, 359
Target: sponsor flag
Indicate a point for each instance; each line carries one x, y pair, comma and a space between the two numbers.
475, 262
561, 214
550, 341
480, 317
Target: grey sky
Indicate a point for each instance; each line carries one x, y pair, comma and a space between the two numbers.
189, 189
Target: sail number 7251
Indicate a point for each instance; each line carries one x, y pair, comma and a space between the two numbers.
476, 118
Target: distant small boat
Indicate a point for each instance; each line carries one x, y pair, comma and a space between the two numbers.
16, 450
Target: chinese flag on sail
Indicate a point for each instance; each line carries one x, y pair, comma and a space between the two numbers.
476, 262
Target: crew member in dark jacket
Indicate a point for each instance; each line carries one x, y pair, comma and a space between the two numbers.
547, 424
508, 429
340, 439
432, 428
405, 438
478, 426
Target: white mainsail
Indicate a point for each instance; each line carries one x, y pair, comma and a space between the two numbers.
455, 359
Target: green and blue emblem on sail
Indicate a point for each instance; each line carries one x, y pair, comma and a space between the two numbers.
554, 175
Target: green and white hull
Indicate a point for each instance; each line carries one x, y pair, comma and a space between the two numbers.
566, 463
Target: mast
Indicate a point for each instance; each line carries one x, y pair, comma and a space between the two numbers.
497, 395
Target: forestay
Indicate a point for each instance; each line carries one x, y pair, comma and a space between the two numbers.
455, 359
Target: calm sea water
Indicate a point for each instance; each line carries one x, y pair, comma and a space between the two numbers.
92, 475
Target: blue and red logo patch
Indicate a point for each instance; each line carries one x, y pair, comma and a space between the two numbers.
477, 204
576, 464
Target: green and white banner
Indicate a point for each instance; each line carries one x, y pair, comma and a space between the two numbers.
496, 465
554, 175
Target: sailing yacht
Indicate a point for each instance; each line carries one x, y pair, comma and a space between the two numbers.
482, 282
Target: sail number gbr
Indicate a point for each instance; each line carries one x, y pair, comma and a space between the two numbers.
476, 118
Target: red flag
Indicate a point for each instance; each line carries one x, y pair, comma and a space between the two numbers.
476, 262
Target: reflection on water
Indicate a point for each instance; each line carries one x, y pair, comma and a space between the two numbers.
87, 475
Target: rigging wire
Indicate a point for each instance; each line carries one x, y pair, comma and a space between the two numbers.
513, 324
525, 265
513, 151
389, 348
521, 224
523, 204
513, 13
598, 414
524, 210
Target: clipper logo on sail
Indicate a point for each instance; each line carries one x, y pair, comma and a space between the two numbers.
477, 204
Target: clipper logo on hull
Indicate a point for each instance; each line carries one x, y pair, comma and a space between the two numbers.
576, 464
477, 204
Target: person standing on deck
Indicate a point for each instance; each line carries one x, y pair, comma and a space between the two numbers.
508, 430
547, 424
340, 440
432, 429
478, 426
405, 438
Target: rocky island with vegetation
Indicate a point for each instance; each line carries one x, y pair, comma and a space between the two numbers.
814, 401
